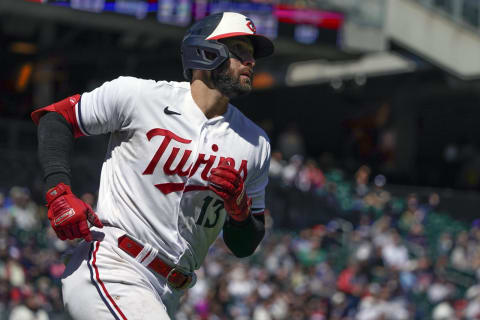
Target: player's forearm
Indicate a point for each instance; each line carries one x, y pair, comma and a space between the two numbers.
244, 237
55, 145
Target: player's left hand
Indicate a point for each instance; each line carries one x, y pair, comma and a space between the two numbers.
228, 184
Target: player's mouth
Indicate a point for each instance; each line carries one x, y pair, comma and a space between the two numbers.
247, 74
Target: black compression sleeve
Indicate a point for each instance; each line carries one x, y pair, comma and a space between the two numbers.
55, 145
244, 237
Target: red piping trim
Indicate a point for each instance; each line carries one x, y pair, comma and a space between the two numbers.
230, 34
97, 276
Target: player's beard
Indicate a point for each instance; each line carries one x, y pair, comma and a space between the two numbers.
224, 81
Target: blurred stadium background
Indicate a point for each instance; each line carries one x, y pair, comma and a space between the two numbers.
372, 110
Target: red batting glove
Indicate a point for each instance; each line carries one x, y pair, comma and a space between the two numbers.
68, 215
227, 183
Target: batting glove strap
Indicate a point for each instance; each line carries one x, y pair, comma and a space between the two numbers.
57, 191
240, 223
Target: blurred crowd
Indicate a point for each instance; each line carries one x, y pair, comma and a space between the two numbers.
384, 257
31, 262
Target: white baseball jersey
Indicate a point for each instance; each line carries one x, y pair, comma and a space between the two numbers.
162, 147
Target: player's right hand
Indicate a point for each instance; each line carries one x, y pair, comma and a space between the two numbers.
69, 215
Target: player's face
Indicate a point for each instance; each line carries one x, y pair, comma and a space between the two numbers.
235, 77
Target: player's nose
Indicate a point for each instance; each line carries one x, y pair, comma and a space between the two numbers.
249, 61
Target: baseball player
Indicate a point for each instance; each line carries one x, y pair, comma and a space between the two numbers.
182, 165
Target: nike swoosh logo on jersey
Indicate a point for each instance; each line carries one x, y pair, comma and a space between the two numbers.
169, 112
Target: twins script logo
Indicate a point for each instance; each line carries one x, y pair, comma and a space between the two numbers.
204, 160
250, 25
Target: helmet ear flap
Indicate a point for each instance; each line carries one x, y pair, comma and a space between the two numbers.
187, 74
198, 53
209, 55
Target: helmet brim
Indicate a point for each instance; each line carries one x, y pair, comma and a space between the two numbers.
263, 46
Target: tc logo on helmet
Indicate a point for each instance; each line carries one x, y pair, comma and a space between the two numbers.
250, 25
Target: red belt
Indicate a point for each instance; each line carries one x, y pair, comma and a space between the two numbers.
175, 278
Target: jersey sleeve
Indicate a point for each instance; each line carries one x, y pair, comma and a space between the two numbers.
107, 108
257, 184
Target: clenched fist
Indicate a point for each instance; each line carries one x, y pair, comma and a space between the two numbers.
68, 215
228, 184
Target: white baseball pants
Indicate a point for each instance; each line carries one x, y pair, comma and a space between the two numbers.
103, 282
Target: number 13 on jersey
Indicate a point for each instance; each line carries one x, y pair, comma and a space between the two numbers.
206, 220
